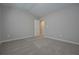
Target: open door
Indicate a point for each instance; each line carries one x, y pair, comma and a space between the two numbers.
36, 29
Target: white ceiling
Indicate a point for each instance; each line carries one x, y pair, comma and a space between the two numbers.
40, 9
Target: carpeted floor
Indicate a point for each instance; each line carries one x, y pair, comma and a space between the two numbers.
38, 46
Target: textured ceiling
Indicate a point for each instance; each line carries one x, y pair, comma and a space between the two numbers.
40, 9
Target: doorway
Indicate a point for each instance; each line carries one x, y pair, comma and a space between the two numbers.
42, 27
39, 27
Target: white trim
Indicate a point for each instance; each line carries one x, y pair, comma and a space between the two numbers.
67, 41
15, 39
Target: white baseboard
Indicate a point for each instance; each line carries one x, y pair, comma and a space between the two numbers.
67, 41
15, 39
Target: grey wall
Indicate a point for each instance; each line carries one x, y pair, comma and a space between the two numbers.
64, 24
17, 23
0, 22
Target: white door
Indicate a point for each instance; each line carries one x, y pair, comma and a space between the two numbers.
36, 27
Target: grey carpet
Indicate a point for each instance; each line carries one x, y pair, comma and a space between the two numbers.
38, 46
